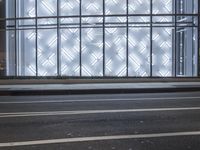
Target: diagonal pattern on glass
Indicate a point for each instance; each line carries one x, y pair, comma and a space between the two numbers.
47, 7
92, 52
47, 52
162, 51
115, 52
139, 51
70, 52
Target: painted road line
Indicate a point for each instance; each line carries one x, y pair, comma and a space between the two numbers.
58, 113
99, 138
97, 100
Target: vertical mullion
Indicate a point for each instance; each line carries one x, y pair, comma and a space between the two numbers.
127, 36
183, 53
58, 39
192, 39
175, 43
36, 28
198, 38
151, 37
16, 54
103, 38
193, 51
80, 36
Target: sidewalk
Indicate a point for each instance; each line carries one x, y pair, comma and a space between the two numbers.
97, 88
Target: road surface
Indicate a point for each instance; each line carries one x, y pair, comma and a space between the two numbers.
159, 121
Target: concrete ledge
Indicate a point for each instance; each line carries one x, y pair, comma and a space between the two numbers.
63, 80
112, 88
102, 91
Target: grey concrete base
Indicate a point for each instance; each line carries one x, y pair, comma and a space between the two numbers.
97, 88
65, 80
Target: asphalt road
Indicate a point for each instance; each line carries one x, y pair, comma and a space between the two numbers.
158, 121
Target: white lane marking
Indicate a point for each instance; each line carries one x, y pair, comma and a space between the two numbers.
97, 100
98, 138
58, 113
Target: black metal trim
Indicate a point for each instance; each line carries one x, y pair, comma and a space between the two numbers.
36, 40
15, 30
127, 38
175, 46
198, 57
58, 39
151, 38
109, 15
104, 39
80, 36
193, 40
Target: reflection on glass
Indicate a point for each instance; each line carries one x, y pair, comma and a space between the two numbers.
27, 52
186, 51
187, 6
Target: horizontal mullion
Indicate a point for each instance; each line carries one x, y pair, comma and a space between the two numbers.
114, 15
3, 30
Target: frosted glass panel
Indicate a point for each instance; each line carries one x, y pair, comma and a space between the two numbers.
70, 52
26, 8
139, 6
47, 52
92, 7
115, 7
69, 7
115, 52
162, 6
162, 51
139, 51
27, 43
47, 7
92, 52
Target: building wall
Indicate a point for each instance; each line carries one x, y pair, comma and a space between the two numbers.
117, 38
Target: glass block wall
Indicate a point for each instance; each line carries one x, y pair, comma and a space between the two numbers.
102, 38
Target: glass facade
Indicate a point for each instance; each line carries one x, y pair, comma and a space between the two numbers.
99, 38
